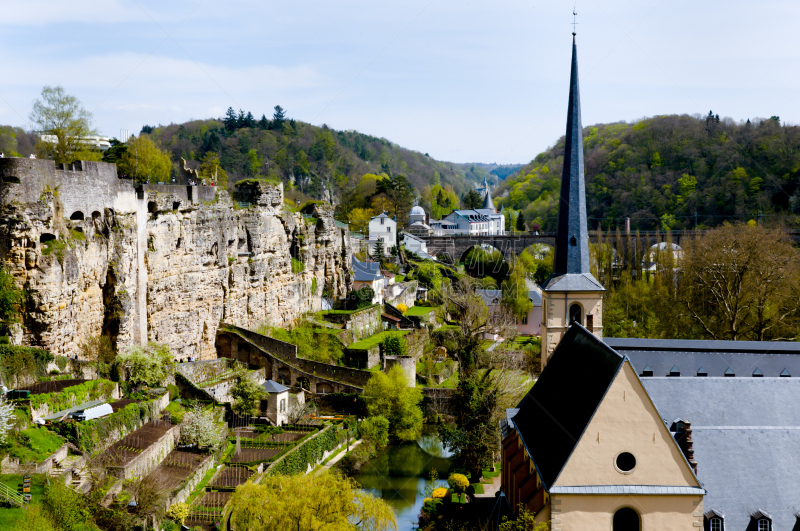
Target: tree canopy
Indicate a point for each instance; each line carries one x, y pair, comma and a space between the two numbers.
661, 171
323, 502
389, 395
143, 159
61, 115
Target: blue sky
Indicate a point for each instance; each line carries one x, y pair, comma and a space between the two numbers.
464, 81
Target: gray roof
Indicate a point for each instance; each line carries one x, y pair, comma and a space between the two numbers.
507, 424
271, 386
628, 489
490, 295
572, 282
535, 297
366, 271
572, 235
381, 215
488, 204
710, 401
746, 439
741, 358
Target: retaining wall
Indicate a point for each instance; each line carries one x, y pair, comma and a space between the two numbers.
149, 459
192, 482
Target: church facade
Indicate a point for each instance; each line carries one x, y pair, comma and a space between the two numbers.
639, 434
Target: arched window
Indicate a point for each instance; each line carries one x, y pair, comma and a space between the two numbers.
626, 519
764, 524
575, 314
715, 524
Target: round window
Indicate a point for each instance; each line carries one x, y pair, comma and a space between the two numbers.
626, 462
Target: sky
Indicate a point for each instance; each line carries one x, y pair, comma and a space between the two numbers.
463, 81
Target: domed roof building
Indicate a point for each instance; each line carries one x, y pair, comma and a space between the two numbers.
417, 214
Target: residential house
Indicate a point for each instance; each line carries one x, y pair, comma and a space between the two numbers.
368, 274
383, 228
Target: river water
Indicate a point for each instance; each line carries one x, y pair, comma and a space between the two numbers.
398, 473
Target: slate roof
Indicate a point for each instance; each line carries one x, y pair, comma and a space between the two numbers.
488, 204
746, 439
501, 509
507, 424
555, 412
572, 234
366, 271
271, 386
490, 296
572, 282
535, 297
741, 358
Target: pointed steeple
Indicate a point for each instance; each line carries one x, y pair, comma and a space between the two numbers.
487, 202
572, 234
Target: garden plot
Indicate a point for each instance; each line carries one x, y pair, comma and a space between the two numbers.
176, 467
231, 477
53, 386
252, 455
249, 436
130, 447
208, 508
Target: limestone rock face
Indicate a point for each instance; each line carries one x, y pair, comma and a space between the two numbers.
167, 272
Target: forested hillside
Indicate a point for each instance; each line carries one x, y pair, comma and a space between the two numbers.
312, 158
661, 170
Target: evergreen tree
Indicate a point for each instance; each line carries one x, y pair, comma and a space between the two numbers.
520, 222
472, 199
379, 252
249, 120
230, 119
263, 123
240, 120
278, 118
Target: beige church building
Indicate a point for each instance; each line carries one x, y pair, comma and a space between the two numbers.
641, 434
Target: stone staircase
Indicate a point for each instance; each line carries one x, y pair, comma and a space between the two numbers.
59, 467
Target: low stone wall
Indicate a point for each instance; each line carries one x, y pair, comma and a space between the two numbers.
355, 377
149, 459
198, 372
164, 196
44, 409
12, 465
363, 359
365, 323
192, 481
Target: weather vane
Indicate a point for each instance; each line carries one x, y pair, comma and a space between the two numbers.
574, 21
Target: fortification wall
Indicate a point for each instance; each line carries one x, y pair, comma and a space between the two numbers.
83, 187
167, 275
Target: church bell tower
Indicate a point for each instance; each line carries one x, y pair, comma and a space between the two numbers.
571, 294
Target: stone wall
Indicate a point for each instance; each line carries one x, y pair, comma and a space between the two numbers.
164, 274
145, 462
407, 363
198, 475
407, 294
363, 359
365, 323
12, 465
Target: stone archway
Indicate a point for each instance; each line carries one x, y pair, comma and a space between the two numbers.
284, 376
324, 388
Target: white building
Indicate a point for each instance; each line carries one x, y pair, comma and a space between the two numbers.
417, 214
417, 246
383, 228
484, 221
368, 274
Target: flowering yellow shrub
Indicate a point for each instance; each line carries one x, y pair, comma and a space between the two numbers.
441, 492
402, 307
458, 482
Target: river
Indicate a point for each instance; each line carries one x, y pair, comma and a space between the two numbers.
398, 473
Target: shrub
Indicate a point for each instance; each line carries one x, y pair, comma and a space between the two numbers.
402, 307
174, 392
297, 266
394, 345
458, 482
441, 492
179, 512
148, 365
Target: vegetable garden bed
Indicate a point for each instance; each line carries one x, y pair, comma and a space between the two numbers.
133, 444
176, 467
231, 477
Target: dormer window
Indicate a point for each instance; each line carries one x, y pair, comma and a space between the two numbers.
729, 373
674, 371
785, 374
714, 521
648, 371
702, 372
764, 524
715, 524
762, 519
757, 373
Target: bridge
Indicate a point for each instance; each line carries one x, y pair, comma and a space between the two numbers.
455, 246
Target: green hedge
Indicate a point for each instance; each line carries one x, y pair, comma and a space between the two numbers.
19, 362
297, 462
73, 396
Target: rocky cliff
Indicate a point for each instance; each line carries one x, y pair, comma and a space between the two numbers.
162, 265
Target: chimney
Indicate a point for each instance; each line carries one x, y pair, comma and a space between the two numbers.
683, 436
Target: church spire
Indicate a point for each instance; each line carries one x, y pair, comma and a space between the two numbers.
572, 235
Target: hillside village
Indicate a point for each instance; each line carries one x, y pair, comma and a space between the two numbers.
342, 351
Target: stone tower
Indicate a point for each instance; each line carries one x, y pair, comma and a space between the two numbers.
571, 293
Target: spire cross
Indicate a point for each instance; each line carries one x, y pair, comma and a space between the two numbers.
574, 20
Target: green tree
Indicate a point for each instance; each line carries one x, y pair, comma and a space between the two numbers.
145, 160
11, 298
301, 164
149, 365
179, 511
526, 521
473, 434
63, 116
211, 169
246, 395
278, 118
520, 222
322, 502
400, 194
66, 508
379, 252
472, 199
255, 161
515, 290
389, 395
376, 430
